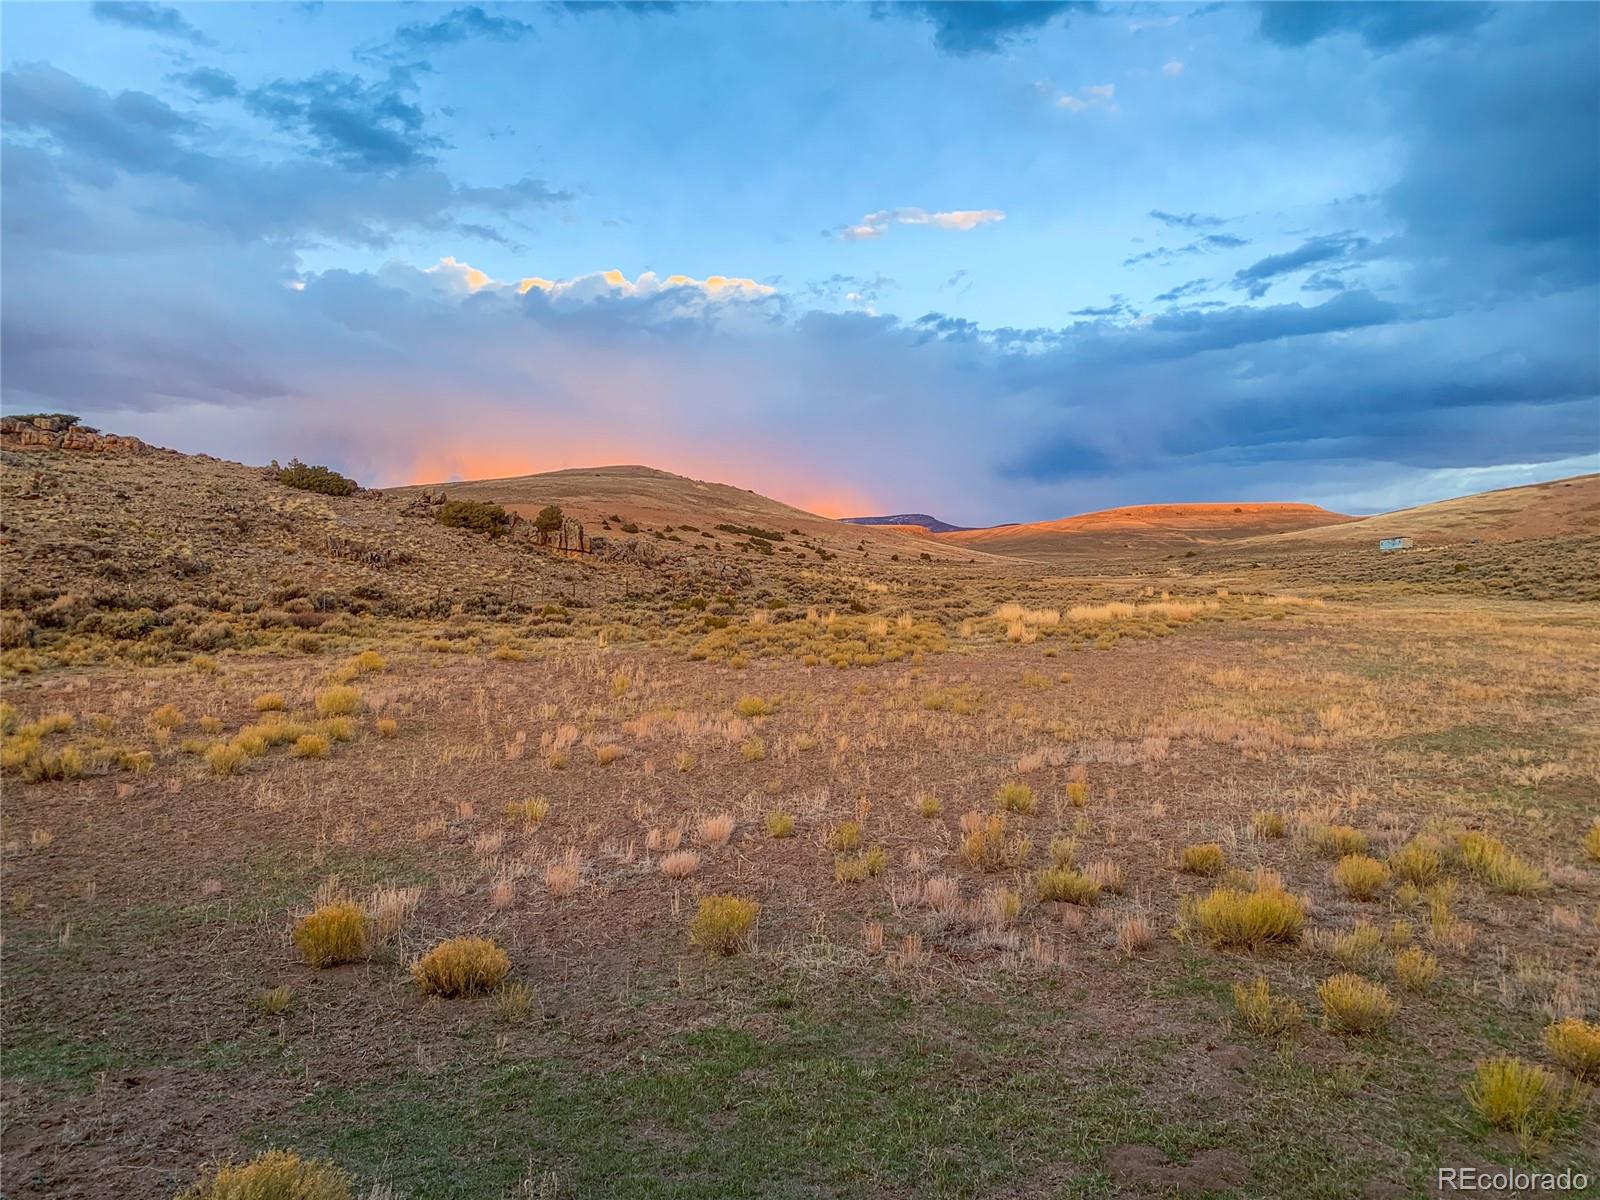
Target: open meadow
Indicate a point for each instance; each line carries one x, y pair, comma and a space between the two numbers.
768, 861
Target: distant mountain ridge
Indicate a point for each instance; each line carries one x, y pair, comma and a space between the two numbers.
931, 524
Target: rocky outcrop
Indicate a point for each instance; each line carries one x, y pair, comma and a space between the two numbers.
61, 432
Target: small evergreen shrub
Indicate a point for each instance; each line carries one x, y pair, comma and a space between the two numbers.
316, 479
478, 515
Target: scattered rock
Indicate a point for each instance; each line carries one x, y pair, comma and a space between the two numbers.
64, 433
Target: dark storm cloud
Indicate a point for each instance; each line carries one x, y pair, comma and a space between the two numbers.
1502, 183
1208, 243
1183, 291
1326, 248
1187, 220
1382, 26
460, 25
207, 83
360, 124
151, 18
63, 132
968, 28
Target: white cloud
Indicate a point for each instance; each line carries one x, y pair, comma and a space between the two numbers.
459, 278
1172, 67
961, 219
1091, 96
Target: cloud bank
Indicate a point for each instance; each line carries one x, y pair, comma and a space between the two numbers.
156, 276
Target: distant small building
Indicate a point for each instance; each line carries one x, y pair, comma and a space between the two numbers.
1395, 544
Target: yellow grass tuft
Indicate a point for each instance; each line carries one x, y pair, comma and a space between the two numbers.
462, 966
1575, 1044
1351, 1004
273, 1175
985, 845
167, 716
310, 745
1490, 860
274, 1002
1245, 920
844, 836
1015, 797
722, 923
1416, 969
368, 661
1521, 1098
1264, 1013
1065, 884
1361, 948
1335, 841
752, 749
754, 706
1268, 823
1360, 876
929, 806
333, 934
607, 754
780, 825
338, 701
1077, 792
1202, 859
1063, 851
1418, 862
528, 812
386, 727
227, 758
1591, 842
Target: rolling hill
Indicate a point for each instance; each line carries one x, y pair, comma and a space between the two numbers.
920, 521
1144, 528
1560, 508
653, 499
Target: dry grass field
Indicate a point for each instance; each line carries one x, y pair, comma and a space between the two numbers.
807, 868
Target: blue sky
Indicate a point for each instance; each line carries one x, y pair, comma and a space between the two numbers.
997, 262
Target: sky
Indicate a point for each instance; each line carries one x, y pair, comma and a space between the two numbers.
995, 262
